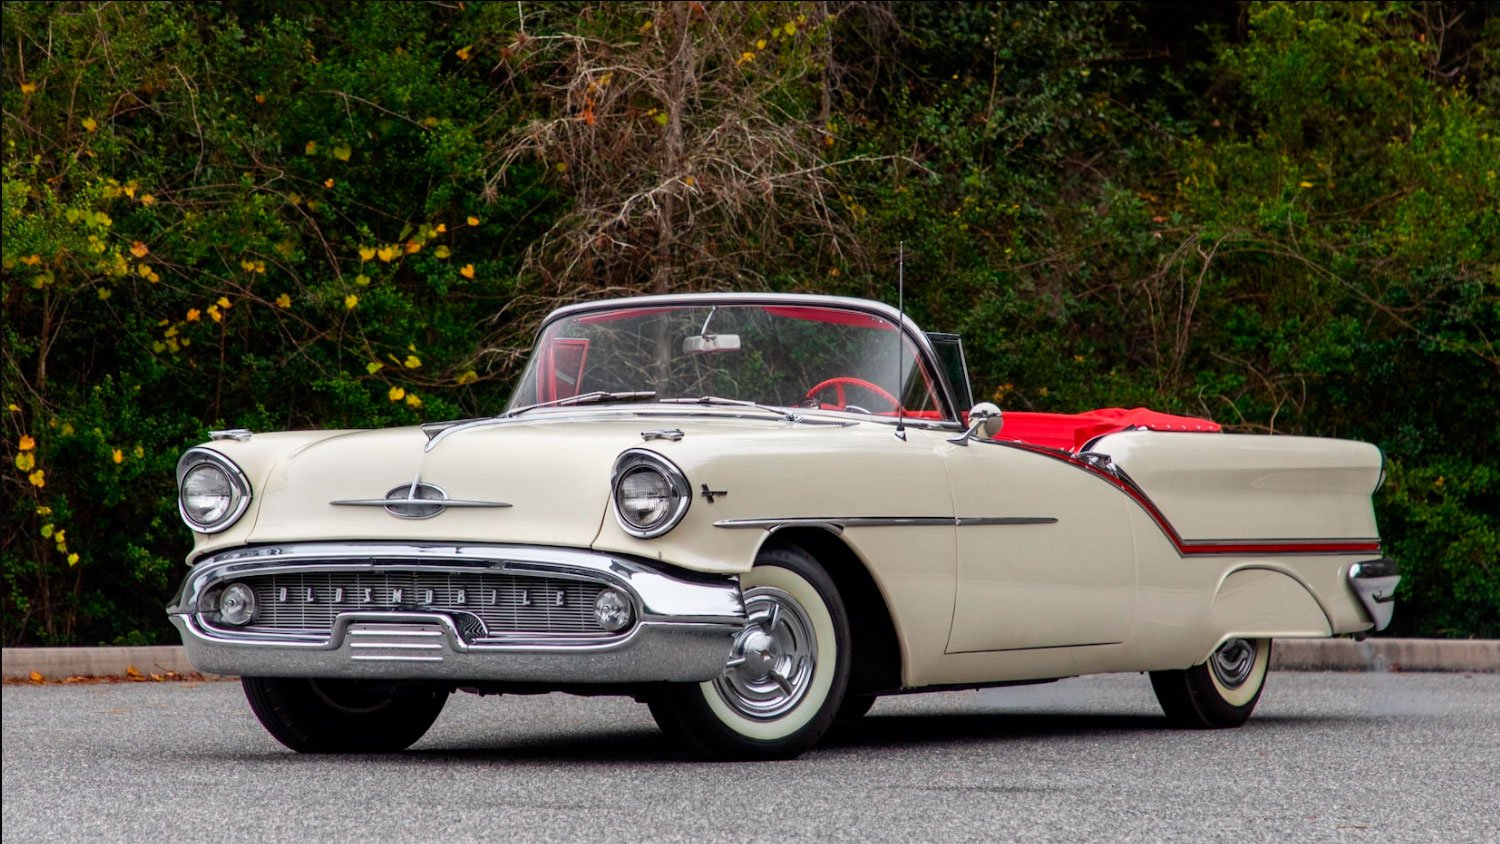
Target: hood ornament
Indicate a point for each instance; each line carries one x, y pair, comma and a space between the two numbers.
416, 500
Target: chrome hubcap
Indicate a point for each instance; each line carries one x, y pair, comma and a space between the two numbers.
771, 666
1232, 663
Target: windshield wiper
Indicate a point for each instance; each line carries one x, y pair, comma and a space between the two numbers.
595, 397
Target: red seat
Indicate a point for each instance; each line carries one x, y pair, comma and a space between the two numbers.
1071, 431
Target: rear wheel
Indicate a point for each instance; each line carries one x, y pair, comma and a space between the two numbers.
786, 674
342, 716
1221, 692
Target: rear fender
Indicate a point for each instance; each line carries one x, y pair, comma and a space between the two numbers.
1261, 603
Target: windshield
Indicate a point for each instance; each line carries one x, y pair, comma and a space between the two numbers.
777, 355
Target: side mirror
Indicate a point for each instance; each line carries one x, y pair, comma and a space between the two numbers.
989, 419
702, 344
985, 421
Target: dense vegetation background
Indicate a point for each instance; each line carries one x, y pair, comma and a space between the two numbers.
289, 213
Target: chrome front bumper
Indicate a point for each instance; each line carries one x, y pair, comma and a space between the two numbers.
1374, 583
684, 625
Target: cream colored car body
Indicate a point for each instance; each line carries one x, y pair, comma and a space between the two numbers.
995, 561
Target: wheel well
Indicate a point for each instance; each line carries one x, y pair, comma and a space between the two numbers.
876, 658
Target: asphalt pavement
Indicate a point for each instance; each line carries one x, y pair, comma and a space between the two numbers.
1327, 757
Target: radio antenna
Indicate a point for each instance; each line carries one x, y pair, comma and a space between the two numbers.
900, 339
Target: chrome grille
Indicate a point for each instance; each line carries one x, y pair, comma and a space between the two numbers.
502, 603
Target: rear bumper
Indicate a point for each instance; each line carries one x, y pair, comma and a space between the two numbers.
682, 630
1374, 583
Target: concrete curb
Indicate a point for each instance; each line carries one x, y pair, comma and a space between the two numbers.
1460, 655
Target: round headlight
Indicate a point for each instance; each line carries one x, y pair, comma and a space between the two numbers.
645, 497
206, 493
612, 610
237, 604
651, 495
212, 491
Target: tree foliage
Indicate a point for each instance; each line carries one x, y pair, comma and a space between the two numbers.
296, 213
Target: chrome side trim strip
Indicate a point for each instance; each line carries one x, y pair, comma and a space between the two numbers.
839, 523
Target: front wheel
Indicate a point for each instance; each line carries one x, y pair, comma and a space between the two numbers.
1221, 692
342, 716
786, 674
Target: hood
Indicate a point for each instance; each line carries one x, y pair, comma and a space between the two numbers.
554, 475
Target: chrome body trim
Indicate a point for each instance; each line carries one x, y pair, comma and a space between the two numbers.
439, 503
240, 493
683, 631
236, 434
1374, 583
839, 523
669, 434
682, 491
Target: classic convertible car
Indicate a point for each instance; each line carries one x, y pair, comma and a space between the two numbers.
756, 513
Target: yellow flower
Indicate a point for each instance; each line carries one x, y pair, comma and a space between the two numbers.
44, 511
118, 456
412, 246
386, 254
90, 124
760, 43
260, 99
215, 314
342, 152
1304, 185
140, 451
283, 301
153, 277
148, 200
247, 266
193, 314
463, 53
224, 302
31, 260
312, 147
362, 280
72, 559
374, 366
13, 407
38, 478
413, 402
28, 87
440, 228
350, 301
468, 378
442, 252
327, 183
143, 270
26, 443
412, 362
467, 271
25, 461
366, 253
473, 221
61, 538
139, 249
105, 293
396, 394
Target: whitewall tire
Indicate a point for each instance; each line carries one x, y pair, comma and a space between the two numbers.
1219, 692
786, 674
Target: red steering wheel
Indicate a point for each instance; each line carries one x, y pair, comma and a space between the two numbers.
838, 384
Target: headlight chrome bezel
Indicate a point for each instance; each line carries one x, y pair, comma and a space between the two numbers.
637, 460
239, 489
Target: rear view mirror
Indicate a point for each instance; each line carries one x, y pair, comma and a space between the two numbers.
702, 344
